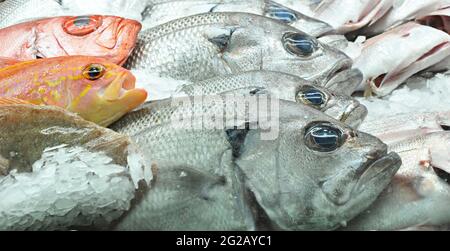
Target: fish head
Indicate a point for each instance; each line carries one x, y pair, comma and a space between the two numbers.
281, 48
341, 107
109, 37
309, 25
318, 174
103, 92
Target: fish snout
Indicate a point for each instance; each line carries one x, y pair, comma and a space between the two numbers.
124, 82
354, 114
345, 81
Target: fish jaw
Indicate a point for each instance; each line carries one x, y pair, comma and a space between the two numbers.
106, 106
354, 115
345, 82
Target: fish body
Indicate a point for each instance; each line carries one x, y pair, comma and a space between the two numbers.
420, 192
215, 44
160, 12
401, 127
388, 60
15, 11
237, 177
338, 14
64, 173
109, 37
404, 11
282, 86
95, 89
8, 61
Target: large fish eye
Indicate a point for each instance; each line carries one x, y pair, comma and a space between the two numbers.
324, 137
94, 71
311, 96
82, 25
299, 44
281, 13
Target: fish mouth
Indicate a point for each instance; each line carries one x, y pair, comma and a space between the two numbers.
354, 114
121, 97
123, 83
377, 169
344, 79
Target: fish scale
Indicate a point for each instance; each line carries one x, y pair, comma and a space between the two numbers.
206, 175
215, 44
13, 11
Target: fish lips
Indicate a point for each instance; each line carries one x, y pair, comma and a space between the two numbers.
354, 115
345, 81
377, 172
383, 168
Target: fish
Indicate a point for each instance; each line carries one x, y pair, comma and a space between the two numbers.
248, 173
439, 19
159, 12
131, 9
419, 193
109, 37
97, 90
392, 129
61, 172
399, 54
15, 11
338, 14
283, 86
215, 44
403, 11
8, 61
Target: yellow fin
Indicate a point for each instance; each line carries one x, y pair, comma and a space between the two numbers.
13, 101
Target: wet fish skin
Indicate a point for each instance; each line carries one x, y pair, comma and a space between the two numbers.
283, 86
417, 196
216, 179
390, 64
403, 12
109, 37
66, 82
159, 12
401, 127
339, 15
15, 11
217, 44
4, 62
67, 192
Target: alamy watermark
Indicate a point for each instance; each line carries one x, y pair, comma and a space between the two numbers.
228, 111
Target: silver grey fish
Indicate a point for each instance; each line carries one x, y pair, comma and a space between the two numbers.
159, 12
419, 195
317, 174
283, 86
15, 11
215, 44
60, 172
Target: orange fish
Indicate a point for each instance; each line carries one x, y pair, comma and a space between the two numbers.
95, 89
7, 61
110, 37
